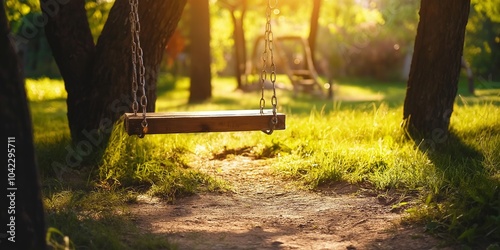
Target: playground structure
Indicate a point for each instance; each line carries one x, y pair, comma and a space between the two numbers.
294, 58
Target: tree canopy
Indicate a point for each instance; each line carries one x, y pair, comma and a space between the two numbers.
349, 32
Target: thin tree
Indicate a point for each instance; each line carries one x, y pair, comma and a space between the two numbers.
97, 76
313, 31
22, 215
238, 11
435, 68
201, 77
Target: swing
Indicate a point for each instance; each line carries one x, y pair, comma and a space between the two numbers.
265, 120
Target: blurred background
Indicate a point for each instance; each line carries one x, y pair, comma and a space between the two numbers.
347, 38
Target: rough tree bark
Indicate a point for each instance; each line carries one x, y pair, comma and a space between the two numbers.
201, 77
98, 76
22, 216
435, 68
69, 36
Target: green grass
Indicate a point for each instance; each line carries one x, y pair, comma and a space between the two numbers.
163, 171
457, 179
97, 220
355, 138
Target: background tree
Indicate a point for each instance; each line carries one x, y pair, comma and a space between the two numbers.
435, 68
201, 76
313, 31
238, 11
16, 123
97, 75
352, 35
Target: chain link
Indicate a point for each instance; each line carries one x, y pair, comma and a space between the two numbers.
269, 54
138, 68
133, 48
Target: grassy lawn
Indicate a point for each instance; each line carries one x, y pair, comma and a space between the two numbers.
356, 137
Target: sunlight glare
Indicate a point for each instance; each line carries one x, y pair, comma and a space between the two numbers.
200, 149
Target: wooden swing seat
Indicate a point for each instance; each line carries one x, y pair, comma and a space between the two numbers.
203, 121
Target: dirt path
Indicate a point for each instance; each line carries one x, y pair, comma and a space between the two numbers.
266, 213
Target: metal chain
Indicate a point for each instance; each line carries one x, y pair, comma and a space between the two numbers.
133, 48
263, 72
269, 48
138, 67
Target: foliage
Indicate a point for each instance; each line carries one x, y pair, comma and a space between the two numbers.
18, 9
221, 43
97, 14
27, 25
482, 48
489, 7
354, 35
363, 39
401, 16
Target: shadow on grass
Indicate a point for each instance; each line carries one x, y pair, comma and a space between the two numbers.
468, 203
92, 220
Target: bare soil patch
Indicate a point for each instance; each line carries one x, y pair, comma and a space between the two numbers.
264, 212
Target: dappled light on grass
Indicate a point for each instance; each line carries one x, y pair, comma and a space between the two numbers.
225, 97
355, 146
96, 220
326, 142
469, 162
457, 177
481, 97
155, 163
45, 89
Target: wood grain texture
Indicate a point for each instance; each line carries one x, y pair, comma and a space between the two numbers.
204, 121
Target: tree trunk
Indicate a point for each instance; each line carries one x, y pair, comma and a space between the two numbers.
70, 39
239, 39
470, 76
201, 78
22, 216
435, 68
112, 72
313, 31
239, 47
243, 40
98, 77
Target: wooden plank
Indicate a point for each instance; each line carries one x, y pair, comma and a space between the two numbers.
203, 121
